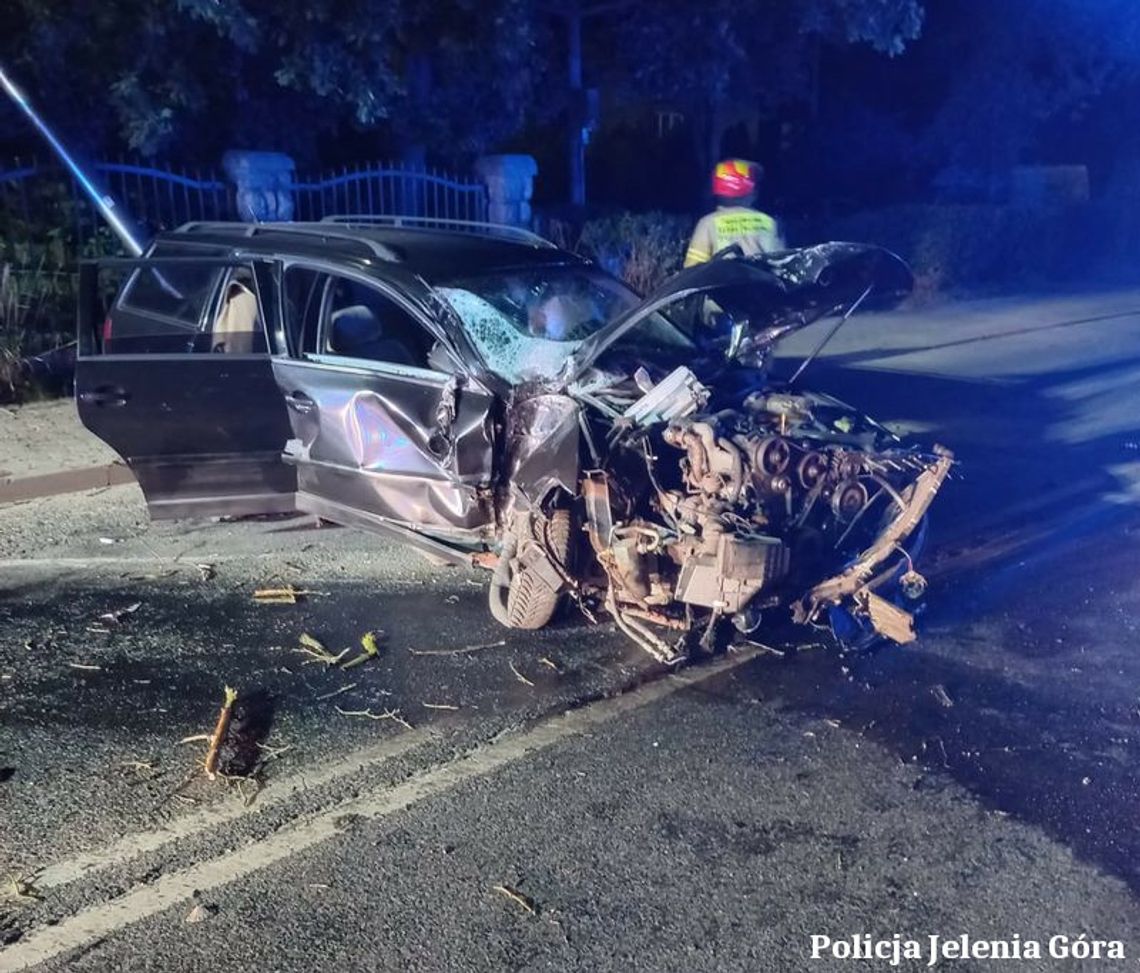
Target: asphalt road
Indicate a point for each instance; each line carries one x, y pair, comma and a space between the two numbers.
555, 801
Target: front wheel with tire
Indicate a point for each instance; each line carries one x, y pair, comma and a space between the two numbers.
522, 595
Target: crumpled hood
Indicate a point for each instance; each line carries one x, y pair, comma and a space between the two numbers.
775, 294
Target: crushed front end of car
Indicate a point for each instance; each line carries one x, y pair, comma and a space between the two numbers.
790, 501
710, 498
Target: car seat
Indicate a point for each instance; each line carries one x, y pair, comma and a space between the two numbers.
237, 328
356, 332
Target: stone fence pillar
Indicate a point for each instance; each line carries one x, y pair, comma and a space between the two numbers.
262, 182
510, 184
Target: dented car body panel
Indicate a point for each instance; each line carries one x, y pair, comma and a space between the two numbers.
506, 404
543, 447
401, 444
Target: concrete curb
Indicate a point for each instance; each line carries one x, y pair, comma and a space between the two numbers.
18, 489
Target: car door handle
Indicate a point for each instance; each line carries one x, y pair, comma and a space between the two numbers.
300, 402
110, 395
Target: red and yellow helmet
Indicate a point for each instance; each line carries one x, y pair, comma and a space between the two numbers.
735, 178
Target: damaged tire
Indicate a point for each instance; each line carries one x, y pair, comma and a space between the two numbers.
521, 593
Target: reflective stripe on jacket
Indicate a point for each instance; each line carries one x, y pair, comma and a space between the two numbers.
754, 231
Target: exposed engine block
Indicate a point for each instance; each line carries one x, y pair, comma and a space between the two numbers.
746, 508
752, 484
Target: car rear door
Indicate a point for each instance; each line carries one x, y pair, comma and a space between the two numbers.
177, 378
387, 425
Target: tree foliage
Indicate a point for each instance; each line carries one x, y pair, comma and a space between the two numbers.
722, 62
1010, 73
451, 77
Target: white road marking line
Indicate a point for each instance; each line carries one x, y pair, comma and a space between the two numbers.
99, 921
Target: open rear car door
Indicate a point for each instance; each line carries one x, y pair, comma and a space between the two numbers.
174, 373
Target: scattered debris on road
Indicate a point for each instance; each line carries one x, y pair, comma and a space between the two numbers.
315, 649
200, 913
196, 738
206, 572
940, 694
23, 889
112, 618
143, 768
86, 667
517, 897
771, 650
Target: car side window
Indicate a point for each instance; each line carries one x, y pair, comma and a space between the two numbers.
362, 322
237, 327
177, 293
162, 308
304, 290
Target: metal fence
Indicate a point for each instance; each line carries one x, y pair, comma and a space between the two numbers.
43, 208
390, 190
47, 223
41, 202
164, 198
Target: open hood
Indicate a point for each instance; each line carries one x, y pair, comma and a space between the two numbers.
768, 296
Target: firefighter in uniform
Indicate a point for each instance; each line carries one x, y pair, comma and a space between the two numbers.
734, 220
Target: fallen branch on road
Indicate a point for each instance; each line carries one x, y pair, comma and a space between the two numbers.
388, 714
369, 642
461, 651
316, 651
519, 676
337, 692
211, 764
517, 897
281, 596
22, 888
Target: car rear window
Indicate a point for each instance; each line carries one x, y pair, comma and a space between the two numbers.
177, 293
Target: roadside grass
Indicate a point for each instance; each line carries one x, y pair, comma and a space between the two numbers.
36, 305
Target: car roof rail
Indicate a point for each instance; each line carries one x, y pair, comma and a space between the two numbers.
325, 230
503, 230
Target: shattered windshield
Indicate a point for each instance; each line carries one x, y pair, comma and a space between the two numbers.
527, 322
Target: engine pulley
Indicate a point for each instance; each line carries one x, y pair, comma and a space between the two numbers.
848, 499
811, 469
771, 456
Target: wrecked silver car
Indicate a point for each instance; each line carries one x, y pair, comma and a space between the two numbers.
494, 400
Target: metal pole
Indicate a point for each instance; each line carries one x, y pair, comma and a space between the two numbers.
103, 202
